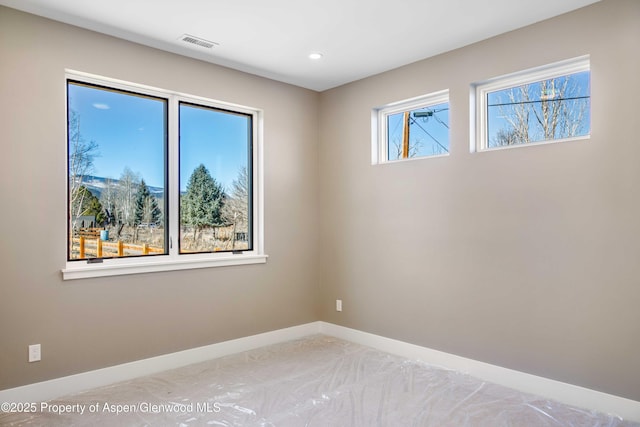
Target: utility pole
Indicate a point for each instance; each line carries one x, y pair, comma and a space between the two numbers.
405, 136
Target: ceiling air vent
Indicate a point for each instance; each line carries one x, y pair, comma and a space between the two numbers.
198, 41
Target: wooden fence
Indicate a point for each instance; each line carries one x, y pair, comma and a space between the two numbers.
96, 248
226, 233
88, 232
86, 243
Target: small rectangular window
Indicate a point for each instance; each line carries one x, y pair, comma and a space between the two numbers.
411, 129
546, 104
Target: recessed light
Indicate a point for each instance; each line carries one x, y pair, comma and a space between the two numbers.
315, 55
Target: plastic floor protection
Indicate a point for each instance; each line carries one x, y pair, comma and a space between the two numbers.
314, 381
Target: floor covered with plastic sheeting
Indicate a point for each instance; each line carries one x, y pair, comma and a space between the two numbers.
315, 381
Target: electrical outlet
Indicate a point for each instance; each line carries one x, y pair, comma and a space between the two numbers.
34, 353
338, 305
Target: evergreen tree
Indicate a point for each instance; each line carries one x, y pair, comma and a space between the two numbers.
202, 204
86, 204
147, 209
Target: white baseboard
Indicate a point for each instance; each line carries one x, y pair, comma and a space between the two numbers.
58, 387
556, 390
562, 392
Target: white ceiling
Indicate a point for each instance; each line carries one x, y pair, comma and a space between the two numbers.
272, 38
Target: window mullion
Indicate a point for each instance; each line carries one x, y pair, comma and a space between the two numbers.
174, 179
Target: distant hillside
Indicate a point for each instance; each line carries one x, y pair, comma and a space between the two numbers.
96, 184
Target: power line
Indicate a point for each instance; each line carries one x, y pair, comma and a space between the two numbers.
431, 113
396, 127
439, 120
537, 101
431, 136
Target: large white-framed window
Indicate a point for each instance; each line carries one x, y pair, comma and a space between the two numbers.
159, 180
546, 104
411, 129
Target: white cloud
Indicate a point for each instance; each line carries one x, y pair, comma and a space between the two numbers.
101, 106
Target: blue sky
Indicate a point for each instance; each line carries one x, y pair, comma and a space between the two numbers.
578, 85
217, 139
431, 133
130, 132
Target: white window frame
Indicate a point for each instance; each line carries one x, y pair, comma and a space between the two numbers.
78, 269
379, 134
480, 90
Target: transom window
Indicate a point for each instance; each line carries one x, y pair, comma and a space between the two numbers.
546, 104
158, 180
411, 129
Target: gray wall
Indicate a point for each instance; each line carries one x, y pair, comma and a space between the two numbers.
524, 258
90, 324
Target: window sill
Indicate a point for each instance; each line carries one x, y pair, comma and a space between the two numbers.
412, 159
79, 270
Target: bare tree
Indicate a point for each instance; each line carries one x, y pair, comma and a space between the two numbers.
517, 115
126, 196
507, 137
414, 148
108, 200
552, 109
236, 206
81, 156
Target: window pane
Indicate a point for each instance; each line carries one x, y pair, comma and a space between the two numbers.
215, 180
427, 133
542, 111
117, 173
